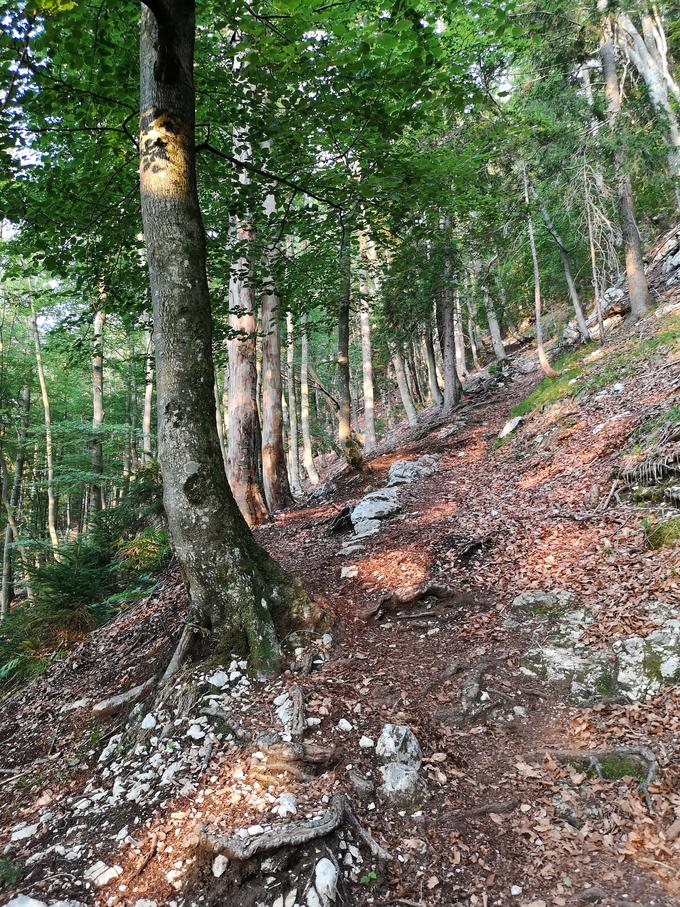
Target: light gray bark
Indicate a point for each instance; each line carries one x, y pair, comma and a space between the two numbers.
494, 327
293, 441
638, 290
459, 337
11, 530
367, 292
96, 491
445, 323
307, 452
402, 384
540, 346
51, 497
147, 410
435, 391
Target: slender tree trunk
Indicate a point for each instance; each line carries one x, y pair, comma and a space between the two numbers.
236, 590
494, 327
96, 492
471, 334
292, 406
540, 347
435, 391
147, 411
593, 259
11, 530
368, 258
219, 423
51, 497
346, 440
402, 384
307, 452
445, 323
274, 470
566, 267
638, 290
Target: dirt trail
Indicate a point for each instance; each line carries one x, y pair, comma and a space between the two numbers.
501, 824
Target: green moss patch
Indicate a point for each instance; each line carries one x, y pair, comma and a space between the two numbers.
664, 534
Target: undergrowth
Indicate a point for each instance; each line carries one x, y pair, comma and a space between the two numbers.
116, 561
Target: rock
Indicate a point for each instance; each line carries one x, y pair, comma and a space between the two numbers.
219, 679
340, 521
645, 664
196, 732
22, 832
402, 786
115, 704
516, 890
78, 704
349, 572
25, 900
286, 806
403, 472
344, 725
110, 749
537, 604
375, 506
366, 743
149, 722
326, 881
397, 743
510, 426
100, 874
219, 865
143, 902
363, 786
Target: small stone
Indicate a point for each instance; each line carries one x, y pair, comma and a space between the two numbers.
149, 722
25, 900
344, 725
23, 832
366, 743
286, 805
516, 890
219, 865
348, 572
255, 830
196, 732
326, 881
219, 679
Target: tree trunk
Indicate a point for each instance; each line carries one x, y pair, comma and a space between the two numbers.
307, 452
11, 531
435, 391
471, 334
566, 267
51, 497
348, 444
638, 290
236, 590
367, 292
402, 384
96, 490
274, 470
494, 327
540, 348
648, 53
147, 411
459, 337
292, 407
445, 322
593, 259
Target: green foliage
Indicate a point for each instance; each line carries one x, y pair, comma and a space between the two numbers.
662, 534
10, 872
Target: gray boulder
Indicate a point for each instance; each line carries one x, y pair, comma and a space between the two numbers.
402, 472
376, 506
402, 786
398, 743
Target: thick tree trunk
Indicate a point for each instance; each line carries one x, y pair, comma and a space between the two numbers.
96, 490
236, 590
402, 384
459, 336
445, 323
274, 469
638, 290
51, 497
367, 292
11, 530
348, 444
435, 391
494, 327
307, 452
540, 347
292, 406
147, 411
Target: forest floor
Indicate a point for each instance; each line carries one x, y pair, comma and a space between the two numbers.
506, 819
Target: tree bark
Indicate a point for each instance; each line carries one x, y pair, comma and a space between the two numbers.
11, 530
459, 337
494, 327
445, 322
236, 590
638, 290
51, 497
367, 292
274, 469
96, 490
307, 452
147, 411
435, 391
472, 330
402, 384
540, 347
348, 444
292, 406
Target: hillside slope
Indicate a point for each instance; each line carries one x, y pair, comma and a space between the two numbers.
517, 608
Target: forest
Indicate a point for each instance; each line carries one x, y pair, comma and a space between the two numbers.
339, 354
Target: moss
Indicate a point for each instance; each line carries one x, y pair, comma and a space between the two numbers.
616, 767
651, 665
661, 535
10, 872
547, 392
606, 685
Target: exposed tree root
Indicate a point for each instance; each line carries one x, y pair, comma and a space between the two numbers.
293, 834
